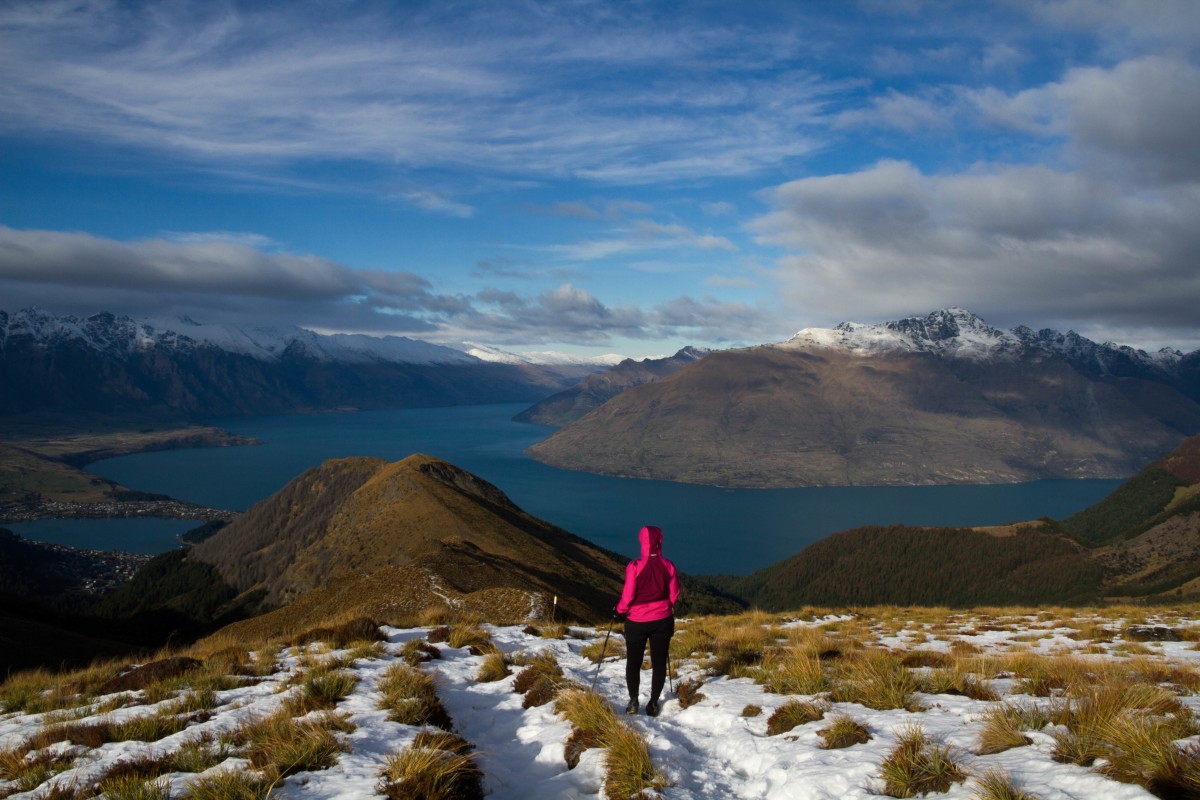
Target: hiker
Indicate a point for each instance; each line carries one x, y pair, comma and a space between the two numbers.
647, 605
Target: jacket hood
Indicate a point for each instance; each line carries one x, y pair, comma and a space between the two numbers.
651, 539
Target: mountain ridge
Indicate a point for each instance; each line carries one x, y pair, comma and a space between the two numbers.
940, 399
111, 366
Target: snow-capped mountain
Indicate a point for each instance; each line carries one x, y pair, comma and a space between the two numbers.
958, 333
121, 336
108, 364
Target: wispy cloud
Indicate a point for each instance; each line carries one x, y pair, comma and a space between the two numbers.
418, 86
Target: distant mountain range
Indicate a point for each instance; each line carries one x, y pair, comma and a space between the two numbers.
114, 365
595, 390
944, 398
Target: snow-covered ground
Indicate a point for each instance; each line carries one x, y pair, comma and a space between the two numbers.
708, 750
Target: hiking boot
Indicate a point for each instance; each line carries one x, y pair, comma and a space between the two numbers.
632, 707
652, 708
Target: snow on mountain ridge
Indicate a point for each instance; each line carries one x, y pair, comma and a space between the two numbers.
544, 358
958, 333
123, 335
953, 332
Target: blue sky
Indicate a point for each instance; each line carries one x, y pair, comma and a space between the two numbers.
597, 177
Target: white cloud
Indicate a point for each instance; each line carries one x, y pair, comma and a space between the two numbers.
1014, 243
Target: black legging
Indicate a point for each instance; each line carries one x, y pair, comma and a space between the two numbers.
659, 633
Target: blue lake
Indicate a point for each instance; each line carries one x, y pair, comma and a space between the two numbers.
150, 535
707, 529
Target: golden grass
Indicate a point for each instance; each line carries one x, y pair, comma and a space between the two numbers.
229, 785
628, 768
595, 650
793, 670
1004, 728
876, 679
410, 697
469, 636
494, 667
843, 731
792, 714
430, 773
918, 766
996, 785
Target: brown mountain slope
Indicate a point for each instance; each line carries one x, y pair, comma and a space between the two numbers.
776, 416
594, 390
352, 518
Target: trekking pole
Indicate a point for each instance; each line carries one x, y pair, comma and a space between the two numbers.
669, 678
600, 660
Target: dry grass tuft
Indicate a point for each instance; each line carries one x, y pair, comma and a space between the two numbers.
792, 714
493, 668
593, 652
752, 710
918, 766
793, 671
1142, 750
688, 692
470, 636
843, 731
229, 785
421, 773
628, 769
876, 679
1004, 728
410, 697
995, 785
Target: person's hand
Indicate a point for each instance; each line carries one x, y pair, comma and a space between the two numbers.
617, 616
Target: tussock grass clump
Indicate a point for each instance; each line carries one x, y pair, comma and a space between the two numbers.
493, 668
996, 785
793, 671
1004, 728
30, 773
593, 651
792, 714
194, 701
133, 787
918, 766
436, 767
472, 636
955, 680
1142, 750
229, 785
410, 697
416, 651
340, 635
737, 647
540, 681
688, 692
843, 731
628, 769
553, 630
878, 680
329, 688
752, 710
591, 717
282, 746
1090, 713
690, 640
439, 634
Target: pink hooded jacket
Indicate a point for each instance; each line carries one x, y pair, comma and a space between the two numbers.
651, 582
